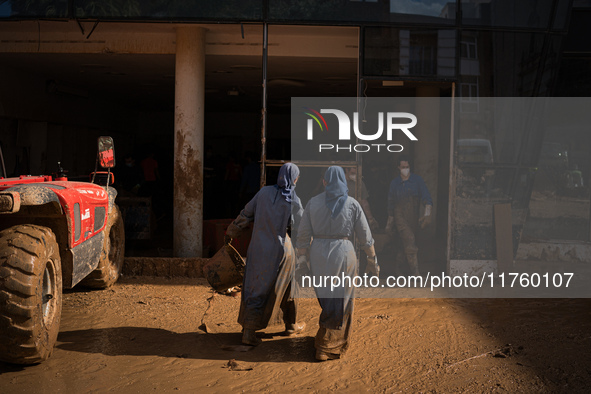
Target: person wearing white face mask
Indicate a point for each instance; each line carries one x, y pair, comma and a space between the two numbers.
407, 192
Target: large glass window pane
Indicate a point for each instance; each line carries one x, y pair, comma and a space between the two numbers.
560, 202
582, 4
577, 40
409, 52
574, 79
499, 64
534, 14
550, 198
42, 8
400, 11
175, 9
561, 14
495, 138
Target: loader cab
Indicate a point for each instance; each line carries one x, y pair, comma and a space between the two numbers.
106, 159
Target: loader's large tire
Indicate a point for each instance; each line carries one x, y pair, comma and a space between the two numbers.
111, 261
30, 293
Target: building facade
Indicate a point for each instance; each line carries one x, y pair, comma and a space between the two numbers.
205, 84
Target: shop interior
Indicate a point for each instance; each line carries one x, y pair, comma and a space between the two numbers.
131, 98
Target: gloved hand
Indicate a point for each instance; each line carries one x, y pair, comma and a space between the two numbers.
426, 219
227, 239
372, 265
302, 266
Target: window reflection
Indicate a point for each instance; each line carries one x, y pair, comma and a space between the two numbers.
499, 64
534, 14
582, 4
403, 11
54, 9
560, 202
409, 52
437, 8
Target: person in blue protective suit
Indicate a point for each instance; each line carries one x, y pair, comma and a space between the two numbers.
270, 260
326, 231
407, 192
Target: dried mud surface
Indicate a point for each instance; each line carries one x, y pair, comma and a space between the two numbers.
143, 335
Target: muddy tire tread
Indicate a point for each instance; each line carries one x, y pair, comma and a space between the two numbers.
24, 249
10, 266
20, 286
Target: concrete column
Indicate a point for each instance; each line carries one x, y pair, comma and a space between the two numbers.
426, 153
188, 141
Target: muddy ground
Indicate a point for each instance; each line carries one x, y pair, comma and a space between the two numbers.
143, 336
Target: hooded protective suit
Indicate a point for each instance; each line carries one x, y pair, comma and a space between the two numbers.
270, 259
327, 227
